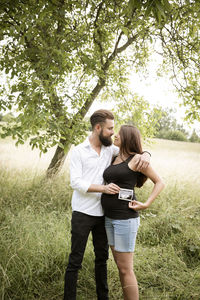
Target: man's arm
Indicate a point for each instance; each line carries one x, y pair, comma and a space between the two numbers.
110, 188
78, 183
76, 172
141, 161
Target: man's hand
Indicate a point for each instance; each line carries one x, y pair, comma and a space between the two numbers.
136, 205
111, 188
141, 161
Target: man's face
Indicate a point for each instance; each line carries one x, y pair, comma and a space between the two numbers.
107, 130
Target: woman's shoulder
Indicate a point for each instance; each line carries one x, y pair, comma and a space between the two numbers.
132, 162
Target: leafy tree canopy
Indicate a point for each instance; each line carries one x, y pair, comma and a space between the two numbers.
61, 54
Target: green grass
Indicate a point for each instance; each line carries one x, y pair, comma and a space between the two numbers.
35, 229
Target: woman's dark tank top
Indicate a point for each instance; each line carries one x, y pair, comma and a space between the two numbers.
124, 177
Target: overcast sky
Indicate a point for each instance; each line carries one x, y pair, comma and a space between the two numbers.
158, 91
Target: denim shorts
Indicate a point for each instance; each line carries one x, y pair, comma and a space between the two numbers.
122, 233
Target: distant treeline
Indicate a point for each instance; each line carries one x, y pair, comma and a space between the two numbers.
168, 128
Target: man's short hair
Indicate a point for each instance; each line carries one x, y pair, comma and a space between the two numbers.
100, 116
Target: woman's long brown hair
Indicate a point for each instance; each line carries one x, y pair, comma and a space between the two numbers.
131, 144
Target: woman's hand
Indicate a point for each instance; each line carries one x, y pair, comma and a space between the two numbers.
111, 188
136, 205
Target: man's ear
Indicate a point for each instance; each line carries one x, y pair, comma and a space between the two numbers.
98, 127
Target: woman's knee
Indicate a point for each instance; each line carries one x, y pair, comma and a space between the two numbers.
124, 269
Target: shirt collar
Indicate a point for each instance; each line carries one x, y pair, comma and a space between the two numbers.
86, 143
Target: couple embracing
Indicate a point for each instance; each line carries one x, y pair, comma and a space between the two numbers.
103, 176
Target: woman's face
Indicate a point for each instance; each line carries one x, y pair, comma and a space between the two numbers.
117, 140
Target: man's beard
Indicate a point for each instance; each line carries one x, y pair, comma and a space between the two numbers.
105, 140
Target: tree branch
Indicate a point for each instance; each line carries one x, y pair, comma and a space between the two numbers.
98, 31
119, 50
128, 43
102, 81
7, 12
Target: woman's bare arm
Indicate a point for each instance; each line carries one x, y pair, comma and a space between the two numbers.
158, 187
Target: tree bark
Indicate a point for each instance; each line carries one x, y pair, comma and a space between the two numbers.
58, 160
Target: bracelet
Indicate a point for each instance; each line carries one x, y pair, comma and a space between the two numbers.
147, 152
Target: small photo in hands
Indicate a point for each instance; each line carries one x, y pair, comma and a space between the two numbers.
125, 194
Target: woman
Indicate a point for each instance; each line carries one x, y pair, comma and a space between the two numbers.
121, 216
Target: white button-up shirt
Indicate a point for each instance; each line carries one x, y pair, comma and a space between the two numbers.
86, 168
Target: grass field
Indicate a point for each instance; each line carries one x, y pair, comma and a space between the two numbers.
35, 228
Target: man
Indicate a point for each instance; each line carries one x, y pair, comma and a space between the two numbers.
88, 162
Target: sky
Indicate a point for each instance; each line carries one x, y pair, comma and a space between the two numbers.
157, 91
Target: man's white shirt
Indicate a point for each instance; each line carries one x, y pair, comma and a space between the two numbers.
86, 168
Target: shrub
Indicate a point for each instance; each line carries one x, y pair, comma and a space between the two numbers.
194, 137
175, 135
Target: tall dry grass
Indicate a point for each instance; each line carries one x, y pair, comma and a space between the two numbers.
35, 228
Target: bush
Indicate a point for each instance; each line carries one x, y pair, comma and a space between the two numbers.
194, 137
175, 135
178, 136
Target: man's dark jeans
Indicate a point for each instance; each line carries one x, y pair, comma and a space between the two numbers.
82, 224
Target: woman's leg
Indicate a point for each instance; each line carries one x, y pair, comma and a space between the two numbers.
124, 261
125, 232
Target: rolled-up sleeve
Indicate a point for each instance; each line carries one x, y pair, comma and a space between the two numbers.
76, 173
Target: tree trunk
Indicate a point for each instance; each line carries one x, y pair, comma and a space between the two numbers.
58, 160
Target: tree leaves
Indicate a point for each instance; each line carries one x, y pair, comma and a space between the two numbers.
59, 56
159, 9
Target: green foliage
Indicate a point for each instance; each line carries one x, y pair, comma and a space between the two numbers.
194, 138
7, 118
168, 127
159, 9
175, 135
181, 52
59, 55
132, 109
